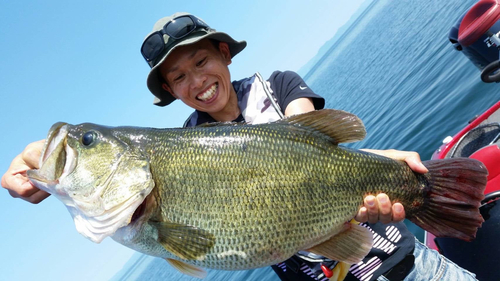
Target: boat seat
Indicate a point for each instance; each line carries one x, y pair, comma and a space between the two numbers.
475, 139
490, 156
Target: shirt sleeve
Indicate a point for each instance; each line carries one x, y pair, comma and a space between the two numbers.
288, 86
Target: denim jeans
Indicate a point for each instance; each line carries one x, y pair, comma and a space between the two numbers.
430, 265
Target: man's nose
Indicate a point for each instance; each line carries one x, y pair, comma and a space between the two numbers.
198, 80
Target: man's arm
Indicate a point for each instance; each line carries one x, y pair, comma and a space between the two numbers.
298, 106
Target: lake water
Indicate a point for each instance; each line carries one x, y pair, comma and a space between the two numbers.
398, 72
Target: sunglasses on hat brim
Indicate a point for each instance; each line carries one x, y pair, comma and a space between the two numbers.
177, 28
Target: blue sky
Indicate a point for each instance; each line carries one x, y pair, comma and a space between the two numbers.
79, 61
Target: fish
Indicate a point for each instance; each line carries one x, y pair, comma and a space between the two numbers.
235, 196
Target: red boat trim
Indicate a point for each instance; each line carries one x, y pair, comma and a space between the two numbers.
429, 237
469, 127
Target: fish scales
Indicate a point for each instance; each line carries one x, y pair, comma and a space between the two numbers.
239, 194
233, 196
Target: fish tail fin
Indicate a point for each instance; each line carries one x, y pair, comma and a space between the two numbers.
452, 198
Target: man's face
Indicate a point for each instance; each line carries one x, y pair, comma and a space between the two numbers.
198, 75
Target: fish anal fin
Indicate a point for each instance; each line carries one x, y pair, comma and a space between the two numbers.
186, 242
340, 271
187, 269
349, 246
339, 125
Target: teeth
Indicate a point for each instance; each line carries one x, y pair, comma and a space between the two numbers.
208, 94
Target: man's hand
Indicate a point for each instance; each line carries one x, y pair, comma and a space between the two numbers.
15, 179
379, 208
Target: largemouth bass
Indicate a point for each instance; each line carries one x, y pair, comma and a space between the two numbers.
236, 196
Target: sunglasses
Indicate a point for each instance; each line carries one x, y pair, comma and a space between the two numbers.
176, 28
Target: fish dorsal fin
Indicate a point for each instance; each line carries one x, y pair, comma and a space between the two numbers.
187, 269
185, 241
349, 246
339, 125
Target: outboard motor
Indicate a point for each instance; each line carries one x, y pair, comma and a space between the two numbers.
477, 35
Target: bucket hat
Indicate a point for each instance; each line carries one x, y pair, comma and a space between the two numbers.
153, 44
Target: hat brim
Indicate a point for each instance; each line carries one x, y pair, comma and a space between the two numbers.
162, 97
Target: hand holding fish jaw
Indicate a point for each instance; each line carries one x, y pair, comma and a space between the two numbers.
379, 208
15, 179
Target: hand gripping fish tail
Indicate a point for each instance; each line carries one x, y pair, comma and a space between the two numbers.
452, 197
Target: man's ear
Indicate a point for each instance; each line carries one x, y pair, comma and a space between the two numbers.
224, 50
167, 88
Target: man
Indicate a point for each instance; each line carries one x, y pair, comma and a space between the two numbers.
189, 61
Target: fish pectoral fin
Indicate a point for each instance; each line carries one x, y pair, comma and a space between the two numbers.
349, 246
185, 241
188, 269
339, 125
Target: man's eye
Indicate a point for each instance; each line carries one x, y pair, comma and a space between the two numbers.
201, 62
177, 78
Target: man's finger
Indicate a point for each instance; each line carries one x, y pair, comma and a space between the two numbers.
37, 197
362, 215
384, 208
398, 212
372, 208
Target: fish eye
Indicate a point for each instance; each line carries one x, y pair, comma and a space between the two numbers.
88, 138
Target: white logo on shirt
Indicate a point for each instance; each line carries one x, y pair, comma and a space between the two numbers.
302, 88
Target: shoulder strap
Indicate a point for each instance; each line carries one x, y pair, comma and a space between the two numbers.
269, 94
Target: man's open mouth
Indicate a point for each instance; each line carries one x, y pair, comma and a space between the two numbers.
208, 94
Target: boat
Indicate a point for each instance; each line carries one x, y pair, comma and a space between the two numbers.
477, 35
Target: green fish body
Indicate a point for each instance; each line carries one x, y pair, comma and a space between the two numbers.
235, 196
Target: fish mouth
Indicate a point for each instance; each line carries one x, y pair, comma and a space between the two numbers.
94, 216
139, 212
57, 160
